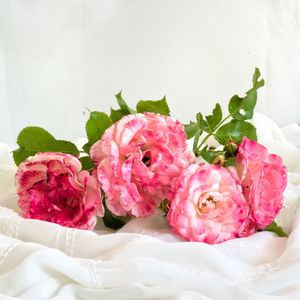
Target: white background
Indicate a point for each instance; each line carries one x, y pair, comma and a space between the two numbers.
58, 57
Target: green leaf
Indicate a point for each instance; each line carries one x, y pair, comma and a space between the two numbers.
202, 123
242, 108
87, 147
87, 163
199, 119
112, 221
214, 120
230, 162
273, 227
123, 105
210, 156
117, 114
154, 106
97, 123
21, 154
191, 129
256, 83
235, 130
33, 139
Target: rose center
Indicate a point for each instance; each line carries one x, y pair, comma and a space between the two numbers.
206, 203
147, 159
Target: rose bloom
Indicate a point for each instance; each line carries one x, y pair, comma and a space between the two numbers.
264, 179
52, 187
137, 159
209, 205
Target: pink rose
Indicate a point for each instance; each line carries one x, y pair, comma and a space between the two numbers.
137, 158
209, 205
52, 187
264, 179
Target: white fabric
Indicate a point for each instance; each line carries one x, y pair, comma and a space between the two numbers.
59, 56
143, 260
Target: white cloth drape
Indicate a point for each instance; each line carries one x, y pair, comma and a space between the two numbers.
143, 260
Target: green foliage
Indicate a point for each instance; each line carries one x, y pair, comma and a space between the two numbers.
123, 105
154, 106
242, 108
112, 221
274, 227
256, 83
196, 141
211, 155
229, 162
214, 119
191, 129
97, 123
87, 163
117, 114
33, 139
235, 130
231, 128
202, 124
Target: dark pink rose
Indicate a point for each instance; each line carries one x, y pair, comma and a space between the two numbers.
52, 187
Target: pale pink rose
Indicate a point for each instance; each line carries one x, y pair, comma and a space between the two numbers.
137, 159
209, 205
264, 179
52, 187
